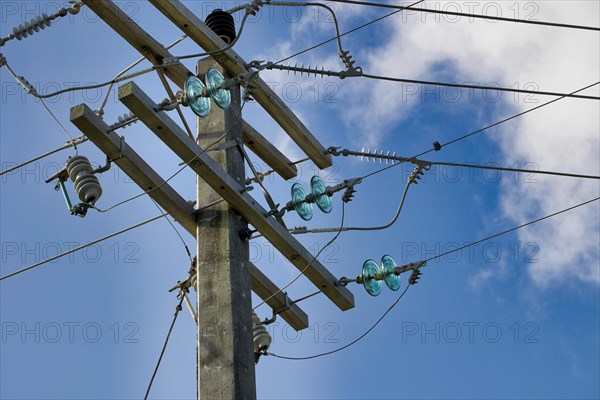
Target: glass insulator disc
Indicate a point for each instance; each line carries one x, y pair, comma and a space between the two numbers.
221, 97
318, 188
193, 96
391, 279
369, 270
303, 208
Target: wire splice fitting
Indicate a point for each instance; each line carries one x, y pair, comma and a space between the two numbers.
414, 277
417, 173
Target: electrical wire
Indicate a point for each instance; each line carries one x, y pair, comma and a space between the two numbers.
263, 175
347, 32
485, 167
325, 230
296, 4
443, 84
504, 120
478, 87
482, 129
430, 259
528, 171
162, 352
512, 229
187, 250
138, 73
358, 228
61, 126
333, 239
31, 90
294, 302
461, 14
172, 98
118, 78
78, 140
212, 53
382, 227
553, 173
101, 109
98, 85
390, 308
81, 247
257, 179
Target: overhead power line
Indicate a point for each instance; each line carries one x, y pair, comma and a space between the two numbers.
485, 128
390, 308
504, 120
399, 159
71, 140
429, 259
348, 32
478, 87
185, 246
28, 87
69, 144
528, 171
127, 69
358, 73
333, 239
396, 160
178, 308
81, 247
477, 16
325, 6
513, 229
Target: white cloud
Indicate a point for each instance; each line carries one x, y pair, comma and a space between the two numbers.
563, 137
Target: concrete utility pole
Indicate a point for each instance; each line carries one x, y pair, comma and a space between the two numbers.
225, 347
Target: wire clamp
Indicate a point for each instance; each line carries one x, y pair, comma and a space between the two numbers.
351, 71
414, 277
253, 7
416, 175
421, 164
414, 267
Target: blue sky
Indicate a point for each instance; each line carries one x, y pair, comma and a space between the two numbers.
517, 317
